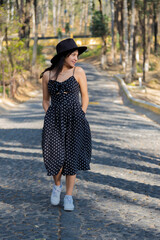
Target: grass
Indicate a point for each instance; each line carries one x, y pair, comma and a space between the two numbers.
92, 52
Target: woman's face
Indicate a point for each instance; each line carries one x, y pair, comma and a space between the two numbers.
71, 59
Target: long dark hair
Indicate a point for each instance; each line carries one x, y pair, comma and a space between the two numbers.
59, 64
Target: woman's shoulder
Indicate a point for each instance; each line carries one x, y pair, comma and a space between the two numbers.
46, 76
79, 69
80, 74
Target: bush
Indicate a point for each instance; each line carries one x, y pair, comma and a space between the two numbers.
92, 52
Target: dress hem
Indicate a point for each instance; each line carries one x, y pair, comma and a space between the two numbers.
64, 174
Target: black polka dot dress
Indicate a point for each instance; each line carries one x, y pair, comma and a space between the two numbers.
66, 135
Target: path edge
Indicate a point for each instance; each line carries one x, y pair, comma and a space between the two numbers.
138, 102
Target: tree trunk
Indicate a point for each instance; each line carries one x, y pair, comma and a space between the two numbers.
127, 70
1, 41
82, 16
100, 6
120, 28
155, 24
33, 20
149, 35
8, 50
112, 31
27, 22
8, 11
24, 19
13, 85
58, 13
144, 39
12, 11
72, 15
44, 17
115, 31
86, 17
62, 14
3, 81
131, 38
104, 56
104, 46
54, 18
135, 43
35, 34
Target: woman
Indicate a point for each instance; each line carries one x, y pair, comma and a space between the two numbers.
66, 136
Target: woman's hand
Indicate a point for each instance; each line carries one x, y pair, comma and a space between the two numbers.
46, 96
82, 80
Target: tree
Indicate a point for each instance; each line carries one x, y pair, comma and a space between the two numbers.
135, 46
35, 5
44, 8
126, 43
119, 25
54, 17
99, 28
132, 28
112, 30
67, 28
156, 15
24, 16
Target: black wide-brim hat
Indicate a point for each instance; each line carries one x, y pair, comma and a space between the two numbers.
65, 46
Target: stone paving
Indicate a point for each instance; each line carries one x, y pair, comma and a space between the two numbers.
117, 199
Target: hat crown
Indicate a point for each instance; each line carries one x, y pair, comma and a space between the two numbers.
66, 45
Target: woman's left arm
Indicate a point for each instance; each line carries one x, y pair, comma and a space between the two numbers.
82, 80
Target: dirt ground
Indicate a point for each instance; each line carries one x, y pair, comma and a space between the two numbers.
150, 91
29, 89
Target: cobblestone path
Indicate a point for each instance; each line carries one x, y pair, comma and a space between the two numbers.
117, 199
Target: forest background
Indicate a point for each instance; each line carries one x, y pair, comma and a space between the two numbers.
122, 37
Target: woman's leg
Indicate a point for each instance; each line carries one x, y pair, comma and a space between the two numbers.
57, 178
57, 188
70, 181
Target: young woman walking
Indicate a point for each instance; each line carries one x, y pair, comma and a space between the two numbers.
66, 135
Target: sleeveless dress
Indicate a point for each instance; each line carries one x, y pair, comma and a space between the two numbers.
66, 136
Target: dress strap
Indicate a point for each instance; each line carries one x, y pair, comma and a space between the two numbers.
74, 70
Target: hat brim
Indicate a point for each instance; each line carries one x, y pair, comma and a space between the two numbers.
57, 56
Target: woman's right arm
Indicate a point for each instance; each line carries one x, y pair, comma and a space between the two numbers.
46, 95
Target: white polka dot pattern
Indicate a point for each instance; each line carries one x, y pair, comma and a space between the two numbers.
66, 135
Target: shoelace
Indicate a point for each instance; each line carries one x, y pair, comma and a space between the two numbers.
70, 200
57, 189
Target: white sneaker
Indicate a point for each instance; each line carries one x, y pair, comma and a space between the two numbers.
68, 203
55, 196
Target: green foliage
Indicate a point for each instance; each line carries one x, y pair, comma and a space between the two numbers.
40, 56
67, 28
99, 25
6, 90
152, 66
92, 52
139, 68
19, 53
59, 33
